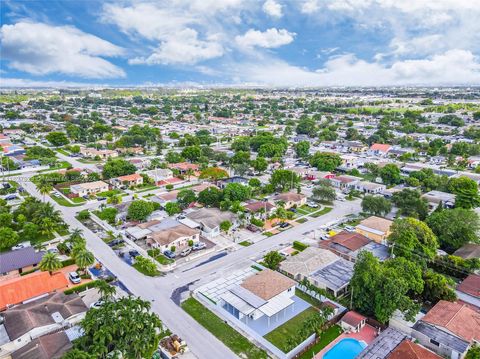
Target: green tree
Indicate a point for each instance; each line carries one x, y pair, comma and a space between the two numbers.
139, 210
324, 192
302, 149
210, 197
390, 174
376, 205
454, 227
146, 266
306, 126
172, 208
57, 139
213, 174
106, 291
474, 351
50, 262
410, 204
260, 164
84, 259
192, 153
114, 199
437, 287
225, 226
116, 167
185, 197
8, 238
325, 161
236, 192
466, 192
125, 327
30, 232
272, 260
284, 180
44, 188
413, 239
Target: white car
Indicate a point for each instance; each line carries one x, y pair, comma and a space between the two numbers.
97, 304
74, 277
21, 246
312, 205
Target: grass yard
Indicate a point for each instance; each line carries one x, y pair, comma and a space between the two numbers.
63, 202
245, 243
291, 329
307, 298
306, 209
222, 331
143, 271
77, 200
301, 220
146, 188
159, 257
323, 211
326, 338
62, 151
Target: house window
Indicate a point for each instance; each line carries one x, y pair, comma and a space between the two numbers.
434, 342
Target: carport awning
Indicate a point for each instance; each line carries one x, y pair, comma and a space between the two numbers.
276, 304
138, 233
242, 306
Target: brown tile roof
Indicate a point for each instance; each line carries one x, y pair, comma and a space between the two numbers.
167, 236
51, 346
380, 147
470, 285
353, 318
258, 205
17, 290
350, 240
377, 223
25, 317
267, 284
469, 250
409, 350
457, 318
132, 177
289, 197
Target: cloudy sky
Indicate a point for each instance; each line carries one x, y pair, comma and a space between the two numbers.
237, 42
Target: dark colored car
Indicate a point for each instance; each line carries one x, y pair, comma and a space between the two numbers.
169, 254
284, 225
115, 242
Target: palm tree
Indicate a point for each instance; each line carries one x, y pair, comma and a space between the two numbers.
106, 290
84, 258
50, 262
115, 199
47, 226
76, 235
44, 188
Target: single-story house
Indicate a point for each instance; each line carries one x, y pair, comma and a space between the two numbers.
25, 322
345, 182
208, 220
134, 179
158, 175
92, 153
184, 167
379, 149
468, 290
88, 188
408, 349
264, 294
13, 263
177, 236
434, 198
290, 199
264, 208
50, 346
384, 344
370, 187
375, 228
449, 329
235, 179
352, 322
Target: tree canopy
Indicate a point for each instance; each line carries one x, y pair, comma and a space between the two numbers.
325, 161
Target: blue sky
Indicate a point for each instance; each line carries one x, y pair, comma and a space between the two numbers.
291, 43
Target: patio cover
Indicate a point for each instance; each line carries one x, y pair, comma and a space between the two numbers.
275, 305
238, 303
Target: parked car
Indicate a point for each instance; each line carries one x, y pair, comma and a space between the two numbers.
253, 228
349, 229
11, 197
52, 250
97, 304
74, 277
284, 225
85, 197
169, 254
101, 198
312, 205
294, 210
21, 245
185, 252
198, 246
133, 253
56, 194
115, 242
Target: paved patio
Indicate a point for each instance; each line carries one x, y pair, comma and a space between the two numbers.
263, 326
367, 335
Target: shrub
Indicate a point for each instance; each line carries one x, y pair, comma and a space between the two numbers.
68, 262
83, 215
299, 246
257, 222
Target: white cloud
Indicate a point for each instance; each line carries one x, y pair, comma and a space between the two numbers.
26, 83
272, 8
270, 38
184, 48
454, 67
41, 49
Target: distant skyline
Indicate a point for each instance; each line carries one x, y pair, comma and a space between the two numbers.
281, 43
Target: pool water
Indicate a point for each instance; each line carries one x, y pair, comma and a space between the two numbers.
347, 348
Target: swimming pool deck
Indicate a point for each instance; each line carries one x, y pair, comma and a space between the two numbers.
367, 334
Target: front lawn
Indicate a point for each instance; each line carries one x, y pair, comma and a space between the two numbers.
326, 338
286, 337
222, 331
147, 272
159, 257
62, 201
325, 210
245, 243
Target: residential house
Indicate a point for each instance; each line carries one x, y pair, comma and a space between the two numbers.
50, 346
140, 163
131, 150
92, 153
236, 179
468, 291
260, 209
134, 179
208, 220
320, 267
408, 349
290, 199
379, 149
263, 295
160, 175
14, 263
352, 322
184, 167
383, 345
178, 236
17, 290
370, 187
434, 198
468, 251
348, 245
345, 182
375, 228
88, 188
449, 329
48, 314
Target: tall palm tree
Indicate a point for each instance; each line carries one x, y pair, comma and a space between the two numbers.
84, 258
76, 234
47, 226
105, 290
44, 188
50, 262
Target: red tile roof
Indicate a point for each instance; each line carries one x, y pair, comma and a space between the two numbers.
353, 318
17, 290
258, 205
350, 240
410, 350
470, 285
457, 318
132, 177
380, 147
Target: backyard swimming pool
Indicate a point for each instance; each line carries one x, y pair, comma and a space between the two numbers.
347, 348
